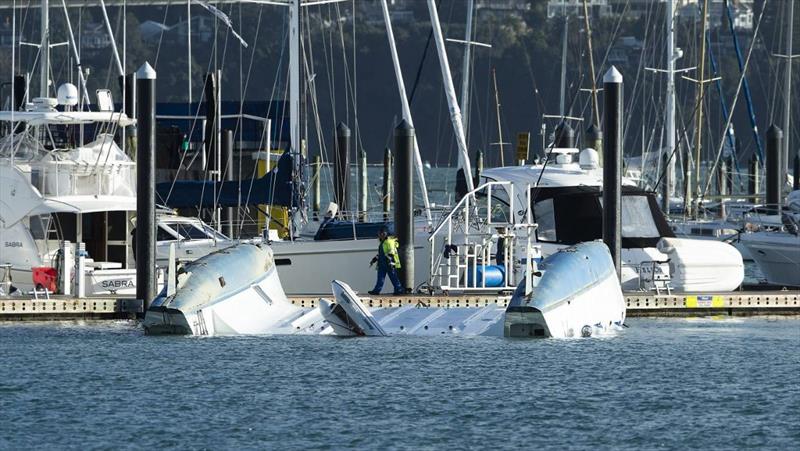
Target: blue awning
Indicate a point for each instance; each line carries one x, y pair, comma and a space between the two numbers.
275, 188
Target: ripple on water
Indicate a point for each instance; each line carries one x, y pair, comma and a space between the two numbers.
662, 383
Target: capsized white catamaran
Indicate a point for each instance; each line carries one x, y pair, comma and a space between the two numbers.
237, 291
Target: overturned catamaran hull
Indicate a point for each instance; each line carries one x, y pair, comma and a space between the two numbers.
230, 292
578, 295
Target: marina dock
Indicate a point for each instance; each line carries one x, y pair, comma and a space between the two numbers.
639, 304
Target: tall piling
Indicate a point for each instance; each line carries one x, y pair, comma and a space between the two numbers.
564, 136
666, 184
773, 169
145, 185
404, 206
612, 165
362, 186
723, 177
230, 220
594, 139
796, 171
20, 91
210, 91
387, 183
128, 85
317, 184
341, 167
754, 178
478, 168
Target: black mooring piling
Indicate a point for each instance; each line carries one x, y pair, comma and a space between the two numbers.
796, 171
723, 177
594, 138
316, 184
666, 183
773, 169
612, 164
754, 179
564, 136
229, 218
341, 167
20, 89
363, 193
128, 83
478, 168
387, 183
404, 206
210, 91
145, 185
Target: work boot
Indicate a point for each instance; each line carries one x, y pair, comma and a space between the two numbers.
373, 292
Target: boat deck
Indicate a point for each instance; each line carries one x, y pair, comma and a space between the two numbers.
738, 303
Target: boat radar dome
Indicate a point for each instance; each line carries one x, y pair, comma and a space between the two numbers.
589, 159
67, 95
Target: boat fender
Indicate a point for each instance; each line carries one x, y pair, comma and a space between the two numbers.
586, 331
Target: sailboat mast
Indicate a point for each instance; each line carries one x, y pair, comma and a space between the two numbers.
401, 86
294, 75
590, 50
787, 105
44, 50
499, 127
700, 88
562, 100
465, 71
450, 93
670, 119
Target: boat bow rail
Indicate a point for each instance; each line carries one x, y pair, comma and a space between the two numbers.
462, 244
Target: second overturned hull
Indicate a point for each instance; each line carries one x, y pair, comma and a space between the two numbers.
593, 311
579, 295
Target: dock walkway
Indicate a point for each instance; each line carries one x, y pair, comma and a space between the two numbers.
738, 303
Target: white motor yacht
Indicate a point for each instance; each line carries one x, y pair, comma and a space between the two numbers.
777, 250
65, 179
566, 200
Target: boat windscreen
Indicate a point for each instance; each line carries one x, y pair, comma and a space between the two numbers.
575, 217
191, 232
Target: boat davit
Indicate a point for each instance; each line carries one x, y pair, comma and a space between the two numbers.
578, 294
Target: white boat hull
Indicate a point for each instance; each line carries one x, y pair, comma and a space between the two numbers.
777, 255
307, 267
578, 295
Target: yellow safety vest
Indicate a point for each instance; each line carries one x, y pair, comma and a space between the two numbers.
390, 251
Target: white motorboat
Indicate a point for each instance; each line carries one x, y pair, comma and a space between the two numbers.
777, 251
566, 204
578, 294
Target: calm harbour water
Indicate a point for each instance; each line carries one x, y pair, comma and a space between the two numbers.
662, 383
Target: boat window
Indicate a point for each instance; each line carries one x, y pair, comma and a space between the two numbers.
213, 233
191, 232
575, 217
162, 234
545, 218
39, 225
637, 219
